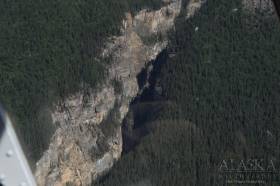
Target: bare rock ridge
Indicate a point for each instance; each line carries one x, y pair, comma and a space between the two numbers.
81, 150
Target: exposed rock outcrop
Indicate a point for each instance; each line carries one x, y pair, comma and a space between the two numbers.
86, 143
259, 5
194, 6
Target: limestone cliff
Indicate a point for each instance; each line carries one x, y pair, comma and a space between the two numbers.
88, 138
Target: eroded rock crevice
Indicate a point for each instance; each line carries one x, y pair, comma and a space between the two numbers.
145, 106
88, 139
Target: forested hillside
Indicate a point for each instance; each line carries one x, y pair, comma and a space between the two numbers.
48, 50
223, 91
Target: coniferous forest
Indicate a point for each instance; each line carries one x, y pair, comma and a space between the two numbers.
223, 94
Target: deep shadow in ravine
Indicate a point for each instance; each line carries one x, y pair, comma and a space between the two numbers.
144, 107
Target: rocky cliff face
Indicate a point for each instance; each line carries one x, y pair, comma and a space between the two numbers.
88, 138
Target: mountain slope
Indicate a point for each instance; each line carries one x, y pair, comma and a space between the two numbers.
221, 92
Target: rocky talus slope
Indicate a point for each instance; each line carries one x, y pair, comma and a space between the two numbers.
81, 150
